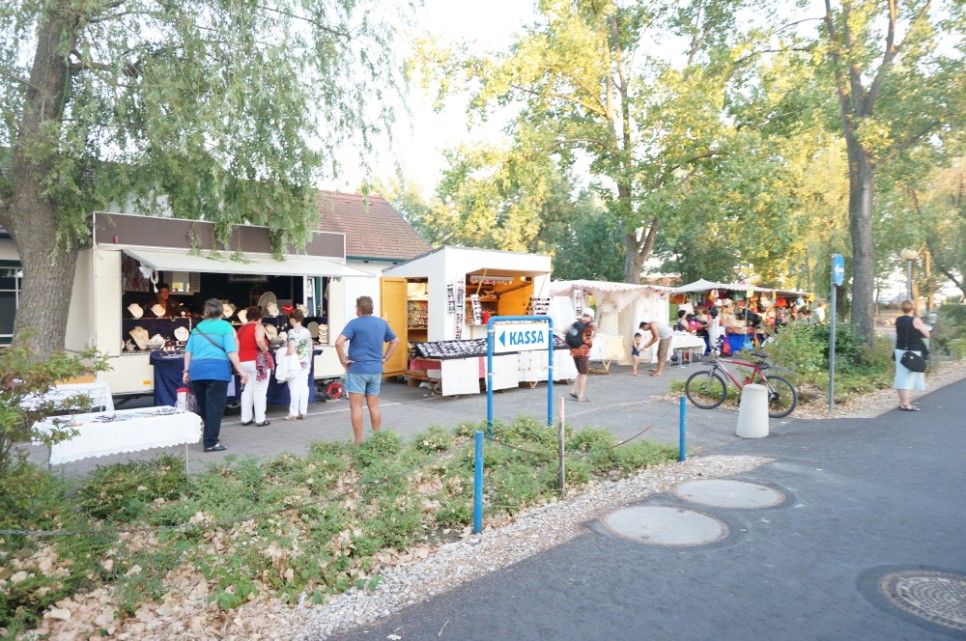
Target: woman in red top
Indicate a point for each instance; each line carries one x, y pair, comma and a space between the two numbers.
251, 341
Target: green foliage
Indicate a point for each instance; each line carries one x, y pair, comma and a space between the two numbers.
22, 376
949, 334
290, 526
124, 491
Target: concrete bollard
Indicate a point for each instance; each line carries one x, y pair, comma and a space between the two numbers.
753, 412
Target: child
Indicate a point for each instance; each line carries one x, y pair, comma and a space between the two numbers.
636, 350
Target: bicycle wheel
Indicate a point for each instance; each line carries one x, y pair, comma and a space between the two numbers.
706, 390
782, 396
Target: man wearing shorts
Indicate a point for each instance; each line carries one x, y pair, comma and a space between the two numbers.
582, 356
366, 335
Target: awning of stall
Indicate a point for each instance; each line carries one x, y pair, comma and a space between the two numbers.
703, 285
291, 265
609, 295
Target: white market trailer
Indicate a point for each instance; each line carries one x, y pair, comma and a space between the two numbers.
111, 274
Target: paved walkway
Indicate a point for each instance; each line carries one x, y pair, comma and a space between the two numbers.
619, 402
873, 506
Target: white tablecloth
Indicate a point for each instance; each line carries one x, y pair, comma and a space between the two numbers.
133, 430
98, 392
680, 342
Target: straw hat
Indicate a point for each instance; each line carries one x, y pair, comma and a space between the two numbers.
271, 309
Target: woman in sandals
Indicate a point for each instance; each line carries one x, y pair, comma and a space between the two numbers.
210, 355
910, 332
251, 343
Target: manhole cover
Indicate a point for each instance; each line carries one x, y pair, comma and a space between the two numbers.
733, 494
938, 597
665, 526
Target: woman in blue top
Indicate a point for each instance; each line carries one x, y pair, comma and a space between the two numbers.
210, 355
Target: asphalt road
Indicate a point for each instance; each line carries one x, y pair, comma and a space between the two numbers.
865, 498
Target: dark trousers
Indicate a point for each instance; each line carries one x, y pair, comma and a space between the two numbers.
211, 396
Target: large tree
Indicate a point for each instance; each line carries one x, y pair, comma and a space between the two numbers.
227, 111
897, 68
597, 83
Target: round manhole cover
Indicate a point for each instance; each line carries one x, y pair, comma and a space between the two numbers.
732, 494
665, 526
938, 597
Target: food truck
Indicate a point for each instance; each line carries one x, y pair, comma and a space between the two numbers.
113, 300
439, 304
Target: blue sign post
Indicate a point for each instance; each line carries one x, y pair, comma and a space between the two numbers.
838, 277
521, 337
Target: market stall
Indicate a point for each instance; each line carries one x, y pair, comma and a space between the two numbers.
444, 299
113, 300
620, 308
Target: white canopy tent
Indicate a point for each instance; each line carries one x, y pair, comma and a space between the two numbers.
620, 307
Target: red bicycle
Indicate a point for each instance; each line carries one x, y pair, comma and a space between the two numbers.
708, 389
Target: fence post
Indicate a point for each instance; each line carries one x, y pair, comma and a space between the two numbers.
560, 451
478, 484
682, 429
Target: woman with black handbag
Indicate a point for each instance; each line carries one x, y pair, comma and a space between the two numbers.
910, 370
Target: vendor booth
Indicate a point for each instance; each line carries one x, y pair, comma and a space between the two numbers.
620, 308
115, 306
730, 323
439, 303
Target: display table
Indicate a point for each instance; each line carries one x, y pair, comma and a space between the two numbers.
532, 366
681, 342
123, 431
98, 392
606, 349
169, 369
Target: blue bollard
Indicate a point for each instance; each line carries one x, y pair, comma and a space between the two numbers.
682, 448
478, 485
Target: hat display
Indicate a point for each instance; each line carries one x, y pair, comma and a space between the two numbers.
243, 315
271, 331
313, 328
266, 298
301, 307
157, 310
140, 336
227, 310
271, 309
181, 333
588, 311
135, 309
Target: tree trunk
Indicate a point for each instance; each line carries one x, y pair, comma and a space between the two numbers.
32, 218
861, 194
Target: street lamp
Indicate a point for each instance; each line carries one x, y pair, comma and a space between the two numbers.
909, 255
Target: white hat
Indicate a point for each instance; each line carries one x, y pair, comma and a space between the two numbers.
588, 311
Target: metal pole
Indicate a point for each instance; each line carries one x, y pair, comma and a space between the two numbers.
489, 378
831, 350
560, 451
478, 484
682, 430
908, 279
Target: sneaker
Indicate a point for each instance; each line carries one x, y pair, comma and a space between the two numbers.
217, 447
263, 423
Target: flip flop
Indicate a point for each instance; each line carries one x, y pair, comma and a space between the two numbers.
574, 396
909, 408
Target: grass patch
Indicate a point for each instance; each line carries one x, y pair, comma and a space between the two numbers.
295, 528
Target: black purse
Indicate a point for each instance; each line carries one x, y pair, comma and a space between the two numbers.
911, 360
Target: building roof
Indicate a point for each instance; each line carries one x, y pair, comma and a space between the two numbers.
372, 228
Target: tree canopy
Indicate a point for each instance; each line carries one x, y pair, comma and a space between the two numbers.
229, 112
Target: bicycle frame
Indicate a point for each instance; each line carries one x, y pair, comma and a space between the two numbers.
754, 365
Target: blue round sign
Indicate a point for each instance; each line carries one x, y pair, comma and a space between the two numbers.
838, 269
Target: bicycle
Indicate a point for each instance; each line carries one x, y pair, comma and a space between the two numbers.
708, 389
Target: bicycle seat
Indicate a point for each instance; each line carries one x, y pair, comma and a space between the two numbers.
760, 355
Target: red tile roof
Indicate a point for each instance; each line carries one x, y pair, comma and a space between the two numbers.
372, 228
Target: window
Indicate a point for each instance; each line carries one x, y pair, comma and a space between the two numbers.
10, 283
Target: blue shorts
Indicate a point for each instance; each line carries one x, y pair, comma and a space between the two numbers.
367, 384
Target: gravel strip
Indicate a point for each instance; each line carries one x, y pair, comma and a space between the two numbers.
539, 529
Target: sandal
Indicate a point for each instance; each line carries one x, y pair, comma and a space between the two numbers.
263, 423
575, 396
909, 408
290, 417
217, 447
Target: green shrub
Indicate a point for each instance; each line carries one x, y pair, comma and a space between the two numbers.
949, 334
123, 492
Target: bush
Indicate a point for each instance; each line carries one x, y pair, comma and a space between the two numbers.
949, 334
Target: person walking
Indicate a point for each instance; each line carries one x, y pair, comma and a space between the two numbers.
910, 332
366, 335
252, 346
660, 334
581, 355
210, 354
299, 342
